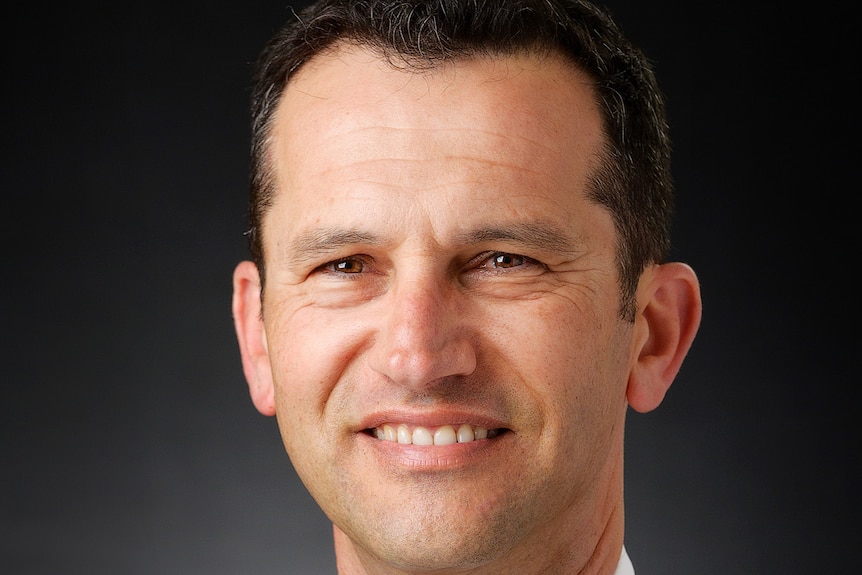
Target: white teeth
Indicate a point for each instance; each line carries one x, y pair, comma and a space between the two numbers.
445, 435
404, 435
422, 436
466, 433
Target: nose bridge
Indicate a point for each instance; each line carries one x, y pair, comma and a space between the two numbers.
424, 337
420, 314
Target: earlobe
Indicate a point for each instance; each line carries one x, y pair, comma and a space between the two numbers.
669, 308
248, 322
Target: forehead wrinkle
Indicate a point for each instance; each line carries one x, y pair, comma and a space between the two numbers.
398, 144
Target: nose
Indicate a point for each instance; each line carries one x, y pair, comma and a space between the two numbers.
424, 336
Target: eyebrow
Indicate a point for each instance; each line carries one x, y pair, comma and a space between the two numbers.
312, 245
316, 244
536, 235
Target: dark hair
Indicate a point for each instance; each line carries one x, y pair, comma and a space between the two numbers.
634, 181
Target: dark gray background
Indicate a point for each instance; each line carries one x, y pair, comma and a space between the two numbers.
129, 444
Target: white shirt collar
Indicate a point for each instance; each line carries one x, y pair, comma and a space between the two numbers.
625, 566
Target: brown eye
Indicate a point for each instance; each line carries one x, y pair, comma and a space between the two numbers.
507, 260
348, 266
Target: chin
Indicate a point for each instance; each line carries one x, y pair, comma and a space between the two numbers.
454, 551
439, 539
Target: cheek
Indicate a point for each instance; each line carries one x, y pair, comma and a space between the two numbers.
575, 363
310, 353
309, 356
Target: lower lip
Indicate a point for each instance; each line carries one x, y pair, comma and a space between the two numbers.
434, 458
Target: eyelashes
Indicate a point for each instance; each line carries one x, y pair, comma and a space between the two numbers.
491, 261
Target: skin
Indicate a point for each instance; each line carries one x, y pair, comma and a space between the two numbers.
431, 263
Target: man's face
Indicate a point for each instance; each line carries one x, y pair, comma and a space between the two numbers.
436, 273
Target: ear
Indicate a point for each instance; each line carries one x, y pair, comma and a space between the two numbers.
669, 310
248, 321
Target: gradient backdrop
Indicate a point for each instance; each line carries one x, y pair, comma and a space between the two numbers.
129, 443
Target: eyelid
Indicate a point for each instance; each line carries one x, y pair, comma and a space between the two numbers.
480, 260
483, 261
329, 267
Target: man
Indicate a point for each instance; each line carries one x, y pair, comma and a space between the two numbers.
459, 224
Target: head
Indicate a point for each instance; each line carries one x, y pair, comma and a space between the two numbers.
461, 209
633, 180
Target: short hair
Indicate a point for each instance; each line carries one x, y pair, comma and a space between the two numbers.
633, 180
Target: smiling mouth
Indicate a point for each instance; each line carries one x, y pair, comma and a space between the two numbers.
443, 435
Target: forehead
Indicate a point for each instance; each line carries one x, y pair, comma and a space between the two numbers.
486, 128
354, 75
350, 87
